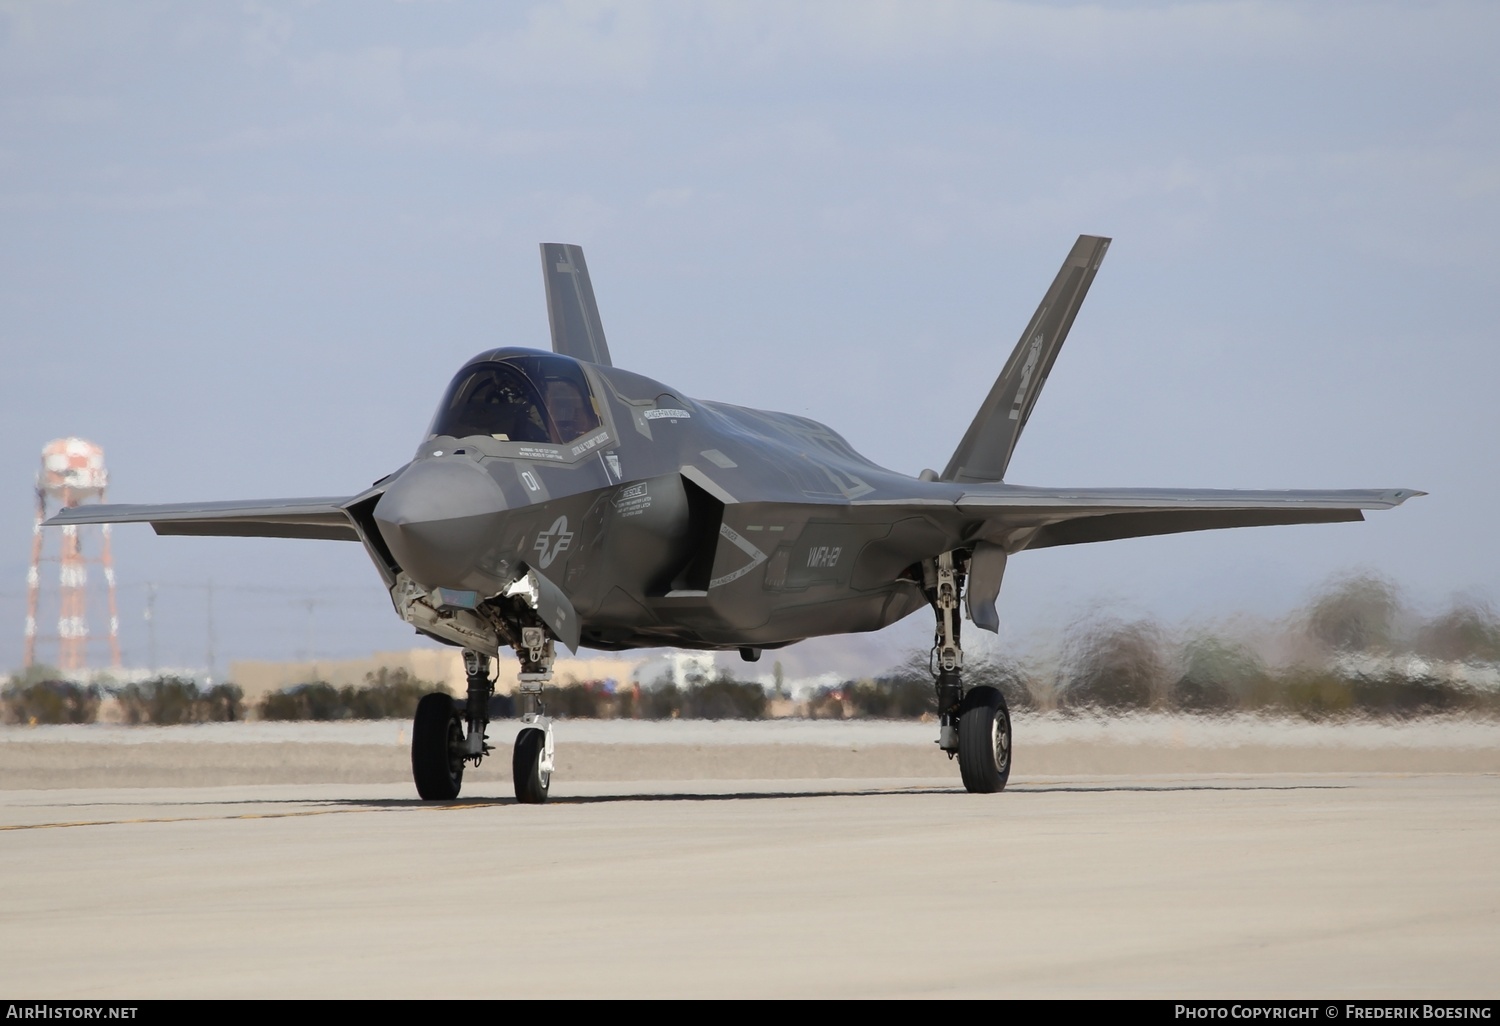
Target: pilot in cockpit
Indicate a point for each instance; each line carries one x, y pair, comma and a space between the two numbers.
569, 411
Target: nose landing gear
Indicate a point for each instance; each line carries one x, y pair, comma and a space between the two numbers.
445, 736
531, 763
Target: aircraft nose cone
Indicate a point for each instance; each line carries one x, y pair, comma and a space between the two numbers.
438, 519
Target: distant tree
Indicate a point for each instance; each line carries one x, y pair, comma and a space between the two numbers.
1218, 675
50, 701
1468, 631
1115, 666
1355, 613
161, 700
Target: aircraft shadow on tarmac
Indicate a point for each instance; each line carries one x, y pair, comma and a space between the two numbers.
298, 808
479, 801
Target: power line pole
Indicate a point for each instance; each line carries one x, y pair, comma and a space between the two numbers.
210, 606
151, 626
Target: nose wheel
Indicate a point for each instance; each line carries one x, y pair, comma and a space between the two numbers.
531, 765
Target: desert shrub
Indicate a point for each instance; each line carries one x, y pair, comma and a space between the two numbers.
1006, 676
1218, 675
1314, 693
385, 694
168, 700
724, 698
828, 703
162, 701
317, 700
579, 701
662, 702
1355, 613
1115, 666
222, 703
898, 695
714, 698
1468, 631
50, 701
1396, 694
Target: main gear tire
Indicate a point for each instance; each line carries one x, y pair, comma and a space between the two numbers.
984, 740
532, 782
437, 748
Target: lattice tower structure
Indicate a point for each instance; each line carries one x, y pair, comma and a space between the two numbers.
72, 473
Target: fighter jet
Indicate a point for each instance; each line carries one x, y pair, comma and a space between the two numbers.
557, 498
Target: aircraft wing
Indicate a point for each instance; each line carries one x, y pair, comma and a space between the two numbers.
1034, 518
323, 518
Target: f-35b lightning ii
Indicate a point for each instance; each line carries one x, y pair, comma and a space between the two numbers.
558, 498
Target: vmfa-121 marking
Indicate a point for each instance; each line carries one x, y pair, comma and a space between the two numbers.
558, 498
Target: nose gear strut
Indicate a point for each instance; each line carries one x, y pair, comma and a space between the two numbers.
532, 761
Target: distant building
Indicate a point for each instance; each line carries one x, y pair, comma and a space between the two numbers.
676, 668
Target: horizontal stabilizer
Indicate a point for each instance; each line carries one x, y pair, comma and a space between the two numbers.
985, 452
571, 311
261, 518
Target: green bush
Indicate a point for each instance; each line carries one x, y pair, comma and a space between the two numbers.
168, 700
1115, 666
165, 700
50, 701
1219, 676
223, 703
385, 694
724, 698
1468, 631
1355, 613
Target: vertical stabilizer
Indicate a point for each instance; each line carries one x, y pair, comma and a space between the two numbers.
986, 449
571, 311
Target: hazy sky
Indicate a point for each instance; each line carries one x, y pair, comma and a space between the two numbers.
244, 246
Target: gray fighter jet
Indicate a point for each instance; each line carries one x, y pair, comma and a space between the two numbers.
558, 498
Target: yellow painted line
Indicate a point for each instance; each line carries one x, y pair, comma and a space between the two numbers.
242, 815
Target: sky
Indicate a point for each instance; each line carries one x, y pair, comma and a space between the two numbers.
244, 246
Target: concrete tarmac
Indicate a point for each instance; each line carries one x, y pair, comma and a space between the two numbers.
1127, 884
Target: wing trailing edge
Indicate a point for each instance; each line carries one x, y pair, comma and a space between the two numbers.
320, 518
572, 313
985, 452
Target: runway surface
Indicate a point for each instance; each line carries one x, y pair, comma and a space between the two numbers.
1138, 884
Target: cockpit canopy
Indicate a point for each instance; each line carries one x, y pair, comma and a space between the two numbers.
524, 398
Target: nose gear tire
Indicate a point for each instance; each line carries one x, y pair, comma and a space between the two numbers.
532, 782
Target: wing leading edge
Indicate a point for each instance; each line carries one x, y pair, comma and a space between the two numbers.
320, 518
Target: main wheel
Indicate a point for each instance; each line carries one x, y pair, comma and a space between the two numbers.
984, 740
437, 748
531, 780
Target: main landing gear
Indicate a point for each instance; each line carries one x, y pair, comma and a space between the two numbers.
446, 735
973, 724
